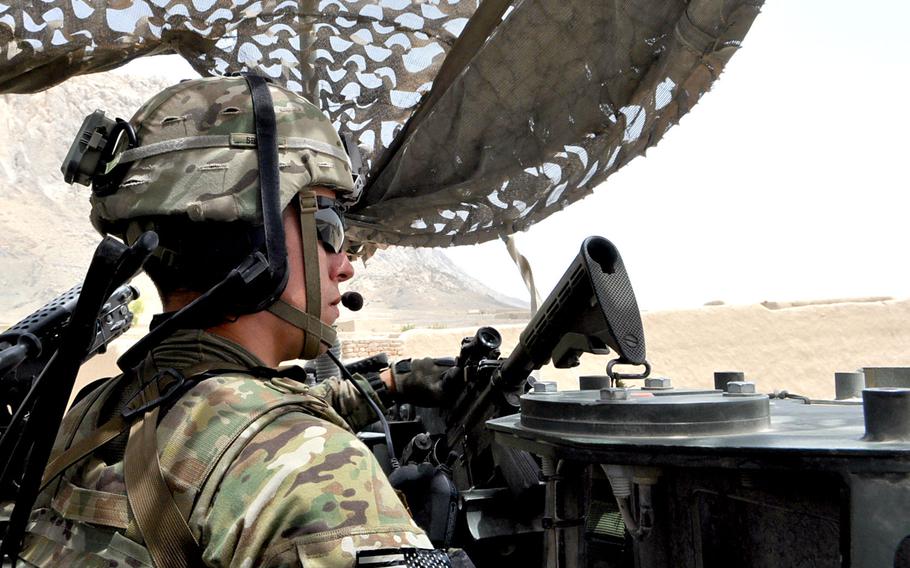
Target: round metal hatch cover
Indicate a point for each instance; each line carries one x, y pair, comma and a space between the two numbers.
677, 414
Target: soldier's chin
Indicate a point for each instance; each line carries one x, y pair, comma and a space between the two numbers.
330, 314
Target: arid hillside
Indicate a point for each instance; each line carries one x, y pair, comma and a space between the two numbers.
412, 295
46, 240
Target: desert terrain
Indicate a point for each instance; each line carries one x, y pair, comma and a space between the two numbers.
795, 347
418, 302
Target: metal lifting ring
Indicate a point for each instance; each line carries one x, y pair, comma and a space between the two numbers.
618, 376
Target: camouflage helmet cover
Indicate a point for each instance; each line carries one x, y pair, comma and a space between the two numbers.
197, 156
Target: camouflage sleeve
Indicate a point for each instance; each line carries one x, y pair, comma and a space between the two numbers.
345, 399
304, 492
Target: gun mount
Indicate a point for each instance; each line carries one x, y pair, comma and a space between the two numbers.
591, 310
657, 476
729, 479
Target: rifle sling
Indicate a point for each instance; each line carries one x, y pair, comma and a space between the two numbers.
119, 424
164, 530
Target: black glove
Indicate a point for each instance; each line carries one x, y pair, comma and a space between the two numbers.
426, 381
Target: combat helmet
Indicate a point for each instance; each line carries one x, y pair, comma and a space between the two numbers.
227, 152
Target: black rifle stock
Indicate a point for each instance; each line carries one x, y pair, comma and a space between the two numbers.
591, 310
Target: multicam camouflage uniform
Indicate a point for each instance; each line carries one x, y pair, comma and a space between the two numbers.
268, 473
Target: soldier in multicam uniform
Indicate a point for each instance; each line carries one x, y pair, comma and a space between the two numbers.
258, 469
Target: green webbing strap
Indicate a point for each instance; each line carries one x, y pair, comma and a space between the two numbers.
59, 462
310, 325
235, 140
104, 434
98, 437
117, 425
164, 530
309, 244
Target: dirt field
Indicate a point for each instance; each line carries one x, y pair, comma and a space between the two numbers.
779, 346
793, 347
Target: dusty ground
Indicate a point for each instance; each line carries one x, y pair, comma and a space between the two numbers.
795, 347
779, 346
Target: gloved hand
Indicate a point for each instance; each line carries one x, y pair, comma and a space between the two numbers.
426, 381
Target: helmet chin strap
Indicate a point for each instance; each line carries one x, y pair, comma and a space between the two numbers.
315, 332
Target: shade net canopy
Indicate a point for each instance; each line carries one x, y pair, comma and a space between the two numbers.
476, 119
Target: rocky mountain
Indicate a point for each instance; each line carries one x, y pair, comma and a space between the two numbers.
423, 280
46, 241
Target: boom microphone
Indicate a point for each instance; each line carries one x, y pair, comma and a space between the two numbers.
352, 301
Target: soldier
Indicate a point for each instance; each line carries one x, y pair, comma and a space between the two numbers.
204, 452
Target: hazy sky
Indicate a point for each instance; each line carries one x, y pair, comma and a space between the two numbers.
788, 181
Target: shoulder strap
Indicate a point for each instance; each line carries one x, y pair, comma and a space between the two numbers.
166, 533
164, 530
161, 521
83, 448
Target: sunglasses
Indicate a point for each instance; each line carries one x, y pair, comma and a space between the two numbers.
330, 224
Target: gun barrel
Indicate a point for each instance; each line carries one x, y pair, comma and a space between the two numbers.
50, 317
32, 341
517, 367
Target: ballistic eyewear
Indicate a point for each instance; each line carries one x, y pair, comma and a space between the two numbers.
330, 224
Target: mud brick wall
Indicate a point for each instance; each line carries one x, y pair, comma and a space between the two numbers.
366, 347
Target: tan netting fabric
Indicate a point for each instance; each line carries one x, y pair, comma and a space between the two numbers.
561, 95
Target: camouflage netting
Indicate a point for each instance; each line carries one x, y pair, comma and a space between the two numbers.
560, 95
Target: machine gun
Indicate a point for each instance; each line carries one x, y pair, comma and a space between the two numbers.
591, 310
27, 347
28, 437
